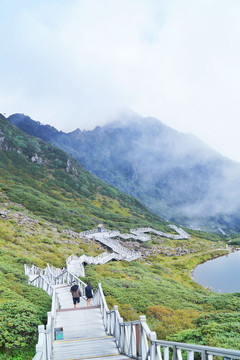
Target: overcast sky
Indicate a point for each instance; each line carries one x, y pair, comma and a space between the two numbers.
79, 63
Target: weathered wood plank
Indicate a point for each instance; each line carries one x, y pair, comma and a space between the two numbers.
81, 323
88, 348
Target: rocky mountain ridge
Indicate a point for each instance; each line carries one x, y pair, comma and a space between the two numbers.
176, 175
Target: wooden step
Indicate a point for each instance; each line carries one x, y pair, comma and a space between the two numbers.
101, 347
81, 324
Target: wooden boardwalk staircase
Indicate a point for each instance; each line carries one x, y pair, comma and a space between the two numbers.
84, 335
99, 333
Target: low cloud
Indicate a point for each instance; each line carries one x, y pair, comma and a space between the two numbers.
77, 64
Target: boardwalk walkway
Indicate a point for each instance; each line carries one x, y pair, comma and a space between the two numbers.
99, 333
84, 336
110, 239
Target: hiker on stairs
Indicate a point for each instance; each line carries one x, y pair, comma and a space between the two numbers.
89, 294
76, 293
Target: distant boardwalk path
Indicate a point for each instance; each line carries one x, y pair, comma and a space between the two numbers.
110, 239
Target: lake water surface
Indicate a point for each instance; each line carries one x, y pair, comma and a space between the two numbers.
221, 274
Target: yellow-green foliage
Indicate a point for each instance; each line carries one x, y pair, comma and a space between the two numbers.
162, 289
170, 321
43, 245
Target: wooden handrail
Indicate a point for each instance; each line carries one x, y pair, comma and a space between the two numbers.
133, 338
45, 336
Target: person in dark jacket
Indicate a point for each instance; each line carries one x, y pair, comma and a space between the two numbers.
89, 294
76, 293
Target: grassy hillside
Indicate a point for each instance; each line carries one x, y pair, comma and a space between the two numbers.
50, 183
176, 308
157, 285
44, 201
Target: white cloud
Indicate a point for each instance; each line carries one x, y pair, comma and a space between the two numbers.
77, 63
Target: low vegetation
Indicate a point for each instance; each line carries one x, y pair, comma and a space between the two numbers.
157, 285
22, 309
176, 307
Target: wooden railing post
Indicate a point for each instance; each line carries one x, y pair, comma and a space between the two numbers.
143, 338
204, 355
50, 330
48, 341
133, 350
174, 356
179, 354
41, 345
190, 355
126, 337
122, 330
166, 353
115, 327
118, 333
152, 345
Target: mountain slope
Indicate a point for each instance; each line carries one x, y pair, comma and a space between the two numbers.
51, 185
49, 182
175, 175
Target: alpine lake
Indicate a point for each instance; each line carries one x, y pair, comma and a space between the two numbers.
220, 275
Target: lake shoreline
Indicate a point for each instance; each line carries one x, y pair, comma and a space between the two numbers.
214, 256
227, 251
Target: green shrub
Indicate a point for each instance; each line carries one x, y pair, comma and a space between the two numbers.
18, 324
170, 321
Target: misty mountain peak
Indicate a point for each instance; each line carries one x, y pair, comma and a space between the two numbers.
175, 174
76, 132
31, 127
17, 119
134, 120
